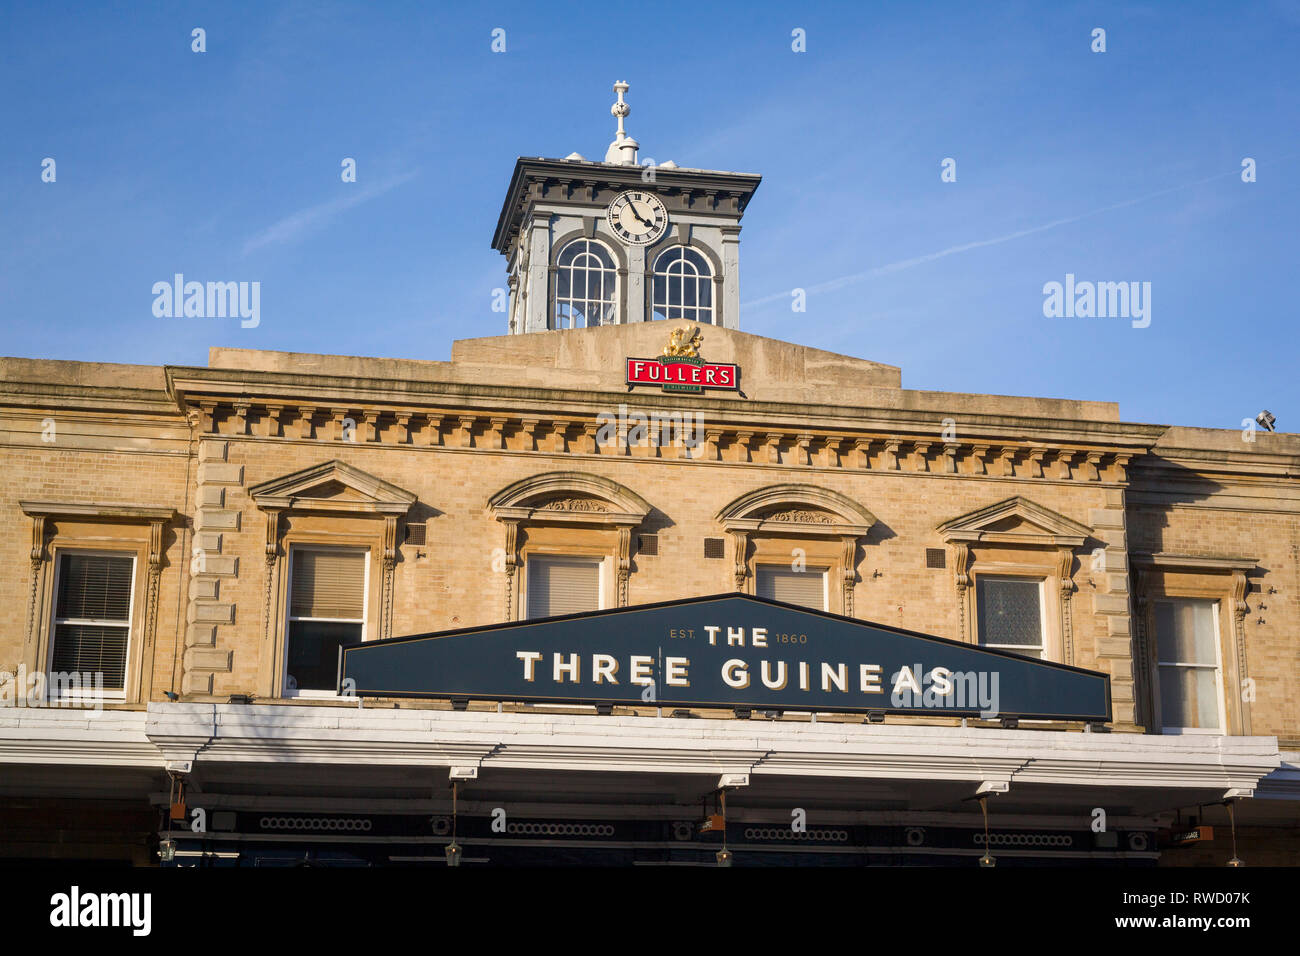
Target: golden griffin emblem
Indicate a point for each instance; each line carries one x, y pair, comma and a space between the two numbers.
684, 343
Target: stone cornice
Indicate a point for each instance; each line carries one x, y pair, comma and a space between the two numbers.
529, 171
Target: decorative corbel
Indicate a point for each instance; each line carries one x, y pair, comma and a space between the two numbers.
38, 542
390, 562
403, 422
529, 430
241, 417
740, 569
1035, 459
743, 440
863, 447
1064, 563
272, 535
922, 456
1121, 467
850, 550
305, 416
891, 454
1240, 586
38, 561
273, 420
511, 564
950, 450
802, 442
979, 458
961, 577
624, 562
960, 564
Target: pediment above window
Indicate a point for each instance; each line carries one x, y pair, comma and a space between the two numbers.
796, 508
569, 496
332, 486
1016, 521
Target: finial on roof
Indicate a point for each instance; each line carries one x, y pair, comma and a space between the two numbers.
623, 149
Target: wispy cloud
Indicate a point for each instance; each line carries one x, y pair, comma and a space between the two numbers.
305, 221
892, 267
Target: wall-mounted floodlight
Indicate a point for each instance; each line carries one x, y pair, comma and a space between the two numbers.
1266, 419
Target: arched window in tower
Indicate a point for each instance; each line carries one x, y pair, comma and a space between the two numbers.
585, 283
683, 286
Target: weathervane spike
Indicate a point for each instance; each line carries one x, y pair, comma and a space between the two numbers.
623, 149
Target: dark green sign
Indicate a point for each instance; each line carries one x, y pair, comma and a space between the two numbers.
727, 650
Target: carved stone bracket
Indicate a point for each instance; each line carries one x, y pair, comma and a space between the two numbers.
850, 543
1065, 562
624, 562
1239, 611
511, 564
740, 569
961, 577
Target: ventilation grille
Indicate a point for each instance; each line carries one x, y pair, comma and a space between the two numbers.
714, 547
935, 558
648, 544
415, 534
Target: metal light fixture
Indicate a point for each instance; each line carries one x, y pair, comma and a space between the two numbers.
724, 857
1232, 821
452, 852
986, 859
1266, 419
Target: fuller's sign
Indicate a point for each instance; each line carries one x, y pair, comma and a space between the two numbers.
680, 368
728, 650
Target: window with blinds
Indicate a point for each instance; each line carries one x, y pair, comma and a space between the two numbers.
92, 617
327, 608
558, 585
807, 588
1010, 614
1187, 666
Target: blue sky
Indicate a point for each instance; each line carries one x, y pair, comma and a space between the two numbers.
1115, 166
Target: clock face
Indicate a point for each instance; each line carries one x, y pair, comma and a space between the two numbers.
637, 218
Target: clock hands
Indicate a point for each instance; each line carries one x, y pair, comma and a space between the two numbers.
631, 205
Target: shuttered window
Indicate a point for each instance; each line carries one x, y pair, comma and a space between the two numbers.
1011, 614
807, 588
92, 617
559, 585
327, 601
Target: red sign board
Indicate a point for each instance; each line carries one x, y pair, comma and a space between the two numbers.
683, 374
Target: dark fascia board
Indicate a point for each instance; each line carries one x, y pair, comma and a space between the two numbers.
527, 168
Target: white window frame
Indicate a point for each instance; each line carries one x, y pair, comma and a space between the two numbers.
557, 300
1215, 609
599, 560
825, 573
55, 621
1042, 616
702, 280
307, 693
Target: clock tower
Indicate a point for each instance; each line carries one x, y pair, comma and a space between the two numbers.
620, 241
